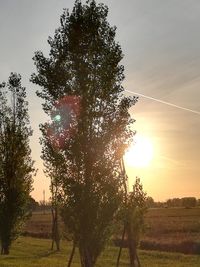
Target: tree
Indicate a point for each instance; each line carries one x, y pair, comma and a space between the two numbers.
132, 213
136, 208
189, 202
54, 162
90, 127
53, 170
174, 202
16, 165
32, 204
150, 202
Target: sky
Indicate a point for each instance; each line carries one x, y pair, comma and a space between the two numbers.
160, 41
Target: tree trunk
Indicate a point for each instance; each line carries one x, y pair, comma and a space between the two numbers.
120, 246
55, 230
86, 258
132, 247
57, 234
5, 249
132, 252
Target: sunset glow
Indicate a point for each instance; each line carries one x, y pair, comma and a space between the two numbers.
140, 152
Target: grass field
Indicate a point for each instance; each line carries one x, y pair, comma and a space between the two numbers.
33, 252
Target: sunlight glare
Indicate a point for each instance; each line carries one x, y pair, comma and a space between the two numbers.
140, 152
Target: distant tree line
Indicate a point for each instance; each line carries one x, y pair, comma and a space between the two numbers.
186, 202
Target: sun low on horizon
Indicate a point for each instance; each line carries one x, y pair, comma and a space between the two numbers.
140, 153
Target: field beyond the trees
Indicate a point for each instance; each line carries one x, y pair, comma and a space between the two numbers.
166, 229
172, 229
33, 252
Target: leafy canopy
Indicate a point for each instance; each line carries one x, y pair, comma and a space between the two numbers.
81, 83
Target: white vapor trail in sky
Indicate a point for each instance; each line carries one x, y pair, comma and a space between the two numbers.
164, 102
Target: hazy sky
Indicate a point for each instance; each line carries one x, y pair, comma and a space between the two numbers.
161, 45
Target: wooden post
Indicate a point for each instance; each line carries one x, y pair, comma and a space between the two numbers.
72, 255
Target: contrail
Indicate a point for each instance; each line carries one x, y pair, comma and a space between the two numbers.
164, 102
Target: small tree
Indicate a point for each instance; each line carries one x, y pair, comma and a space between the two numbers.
136, 208
132, 215
82, 89
53, 161
16, 165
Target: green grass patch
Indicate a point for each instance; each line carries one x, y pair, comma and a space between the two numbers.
34, 252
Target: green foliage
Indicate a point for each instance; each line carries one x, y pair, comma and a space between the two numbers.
136, 209
16, 165
81, 85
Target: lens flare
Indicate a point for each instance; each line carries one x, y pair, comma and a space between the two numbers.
64, 120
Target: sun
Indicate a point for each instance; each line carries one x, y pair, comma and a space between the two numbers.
140, 152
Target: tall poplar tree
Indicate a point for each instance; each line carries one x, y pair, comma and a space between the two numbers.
90, 125
16, 165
